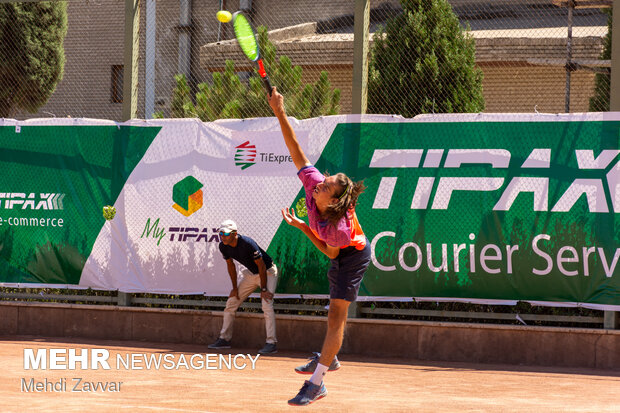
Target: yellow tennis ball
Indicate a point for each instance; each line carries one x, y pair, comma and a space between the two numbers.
109, 212
224, 16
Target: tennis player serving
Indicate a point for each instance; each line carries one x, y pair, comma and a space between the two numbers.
336, 232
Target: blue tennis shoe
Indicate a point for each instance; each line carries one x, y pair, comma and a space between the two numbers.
309, 367
309, 393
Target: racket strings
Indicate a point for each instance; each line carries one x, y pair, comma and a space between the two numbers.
245, 37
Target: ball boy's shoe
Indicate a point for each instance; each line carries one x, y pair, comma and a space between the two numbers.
220, 343
269, 348
309, 393
311, 365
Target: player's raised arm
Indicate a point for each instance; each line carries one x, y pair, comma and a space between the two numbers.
276, 101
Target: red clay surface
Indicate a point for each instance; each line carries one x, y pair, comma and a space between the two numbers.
361, 385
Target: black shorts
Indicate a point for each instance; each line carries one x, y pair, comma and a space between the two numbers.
346, 272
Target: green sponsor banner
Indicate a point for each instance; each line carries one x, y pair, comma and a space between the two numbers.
55, 182
476, 210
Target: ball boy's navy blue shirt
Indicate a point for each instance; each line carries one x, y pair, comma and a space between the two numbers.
246, 251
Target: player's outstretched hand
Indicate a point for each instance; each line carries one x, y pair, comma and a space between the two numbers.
276, 101
291, 219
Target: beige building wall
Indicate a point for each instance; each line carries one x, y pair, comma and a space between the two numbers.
530, 88
94, 43
520, 89
340, 77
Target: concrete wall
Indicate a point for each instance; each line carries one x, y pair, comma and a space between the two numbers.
415, 340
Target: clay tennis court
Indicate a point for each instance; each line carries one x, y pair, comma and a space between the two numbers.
362, 384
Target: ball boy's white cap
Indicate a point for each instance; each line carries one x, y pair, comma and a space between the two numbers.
228, 226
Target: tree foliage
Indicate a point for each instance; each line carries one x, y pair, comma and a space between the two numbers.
31, 53
228, 97
423, 62
602, 86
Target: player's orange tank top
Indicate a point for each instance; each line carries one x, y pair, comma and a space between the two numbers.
358, 239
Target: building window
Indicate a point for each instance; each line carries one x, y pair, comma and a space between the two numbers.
117, 83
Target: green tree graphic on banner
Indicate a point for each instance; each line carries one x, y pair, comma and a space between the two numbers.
56, 180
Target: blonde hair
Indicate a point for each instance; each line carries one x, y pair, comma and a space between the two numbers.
347, 198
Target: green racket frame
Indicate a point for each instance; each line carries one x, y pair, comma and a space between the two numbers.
249, 45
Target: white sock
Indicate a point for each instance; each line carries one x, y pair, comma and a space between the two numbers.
319, 373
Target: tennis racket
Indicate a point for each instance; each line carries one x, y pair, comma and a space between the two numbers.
247, 41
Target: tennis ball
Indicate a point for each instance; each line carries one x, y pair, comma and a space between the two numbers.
224, 16
109, 212
300, 207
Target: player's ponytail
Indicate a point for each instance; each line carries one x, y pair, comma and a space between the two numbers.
347, 198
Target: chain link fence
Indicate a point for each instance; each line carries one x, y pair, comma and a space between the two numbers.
424, 56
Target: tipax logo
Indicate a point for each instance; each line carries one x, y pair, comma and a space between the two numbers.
245, 156
599, 182
23, 200
187, 195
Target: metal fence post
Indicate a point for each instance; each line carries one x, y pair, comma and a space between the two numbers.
611, 321
130, 70
614, 77
124, 299
360, 56
569, 54
354, 310
610, 318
